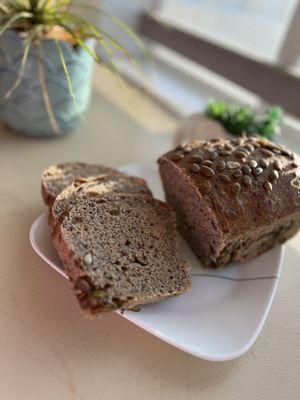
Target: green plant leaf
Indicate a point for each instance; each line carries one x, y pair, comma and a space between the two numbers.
118, 46
13, 19
45, 93
33, 4
111, 67
44, 5
17, 4
95, 32
23, 63
63, 62
127, 29
4, 9
98, 33
60, 4
78, 23
130, 32
81, 42
22, 68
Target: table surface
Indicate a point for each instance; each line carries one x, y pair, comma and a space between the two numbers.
48, 351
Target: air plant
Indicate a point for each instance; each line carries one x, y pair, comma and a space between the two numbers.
37, 20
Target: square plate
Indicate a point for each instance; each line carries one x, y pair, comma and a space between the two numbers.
223, 314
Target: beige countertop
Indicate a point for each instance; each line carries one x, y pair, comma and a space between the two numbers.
48, 351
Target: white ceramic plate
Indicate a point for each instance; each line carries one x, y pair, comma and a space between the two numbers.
220, 318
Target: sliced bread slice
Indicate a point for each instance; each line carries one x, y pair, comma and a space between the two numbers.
120, 251
84, 188
57, 177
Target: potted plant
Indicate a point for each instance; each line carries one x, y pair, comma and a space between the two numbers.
46, 60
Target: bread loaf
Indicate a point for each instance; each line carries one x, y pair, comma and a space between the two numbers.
234, 199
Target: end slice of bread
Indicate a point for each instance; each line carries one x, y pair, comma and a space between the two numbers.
120, 251
57, 177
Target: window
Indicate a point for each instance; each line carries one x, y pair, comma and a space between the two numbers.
251, 43
253, 27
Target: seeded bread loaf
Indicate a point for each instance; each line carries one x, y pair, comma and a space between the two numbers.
120, 251
57, 177
84, 188
234, 199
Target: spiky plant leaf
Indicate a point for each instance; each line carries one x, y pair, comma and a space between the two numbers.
65, 68
10, 22
45, 93
131, 33
22, 68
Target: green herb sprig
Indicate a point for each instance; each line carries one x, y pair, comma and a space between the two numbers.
239, 120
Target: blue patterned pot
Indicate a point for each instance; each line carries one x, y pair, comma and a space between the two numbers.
25, 111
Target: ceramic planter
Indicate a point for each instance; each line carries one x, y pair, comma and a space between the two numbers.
25, 110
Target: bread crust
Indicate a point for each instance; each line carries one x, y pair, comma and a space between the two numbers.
93, 186
57, 177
